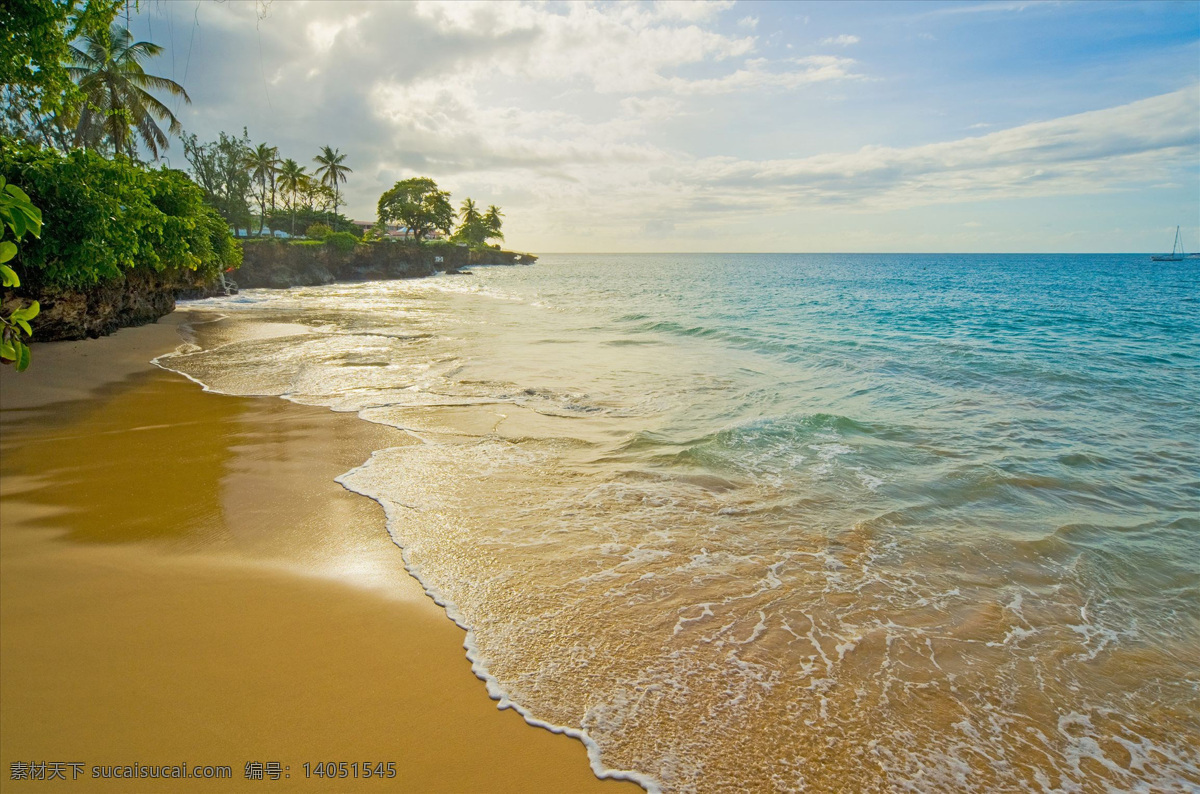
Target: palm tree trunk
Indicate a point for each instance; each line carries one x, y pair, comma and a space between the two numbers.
262, 205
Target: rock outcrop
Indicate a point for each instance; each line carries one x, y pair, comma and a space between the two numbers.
280, 265
141, 297
137, 298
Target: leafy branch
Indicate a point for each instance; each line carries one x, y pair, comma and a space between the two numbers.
18, 215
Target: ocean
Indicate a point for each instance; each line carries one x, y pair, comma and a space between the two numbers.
789, 522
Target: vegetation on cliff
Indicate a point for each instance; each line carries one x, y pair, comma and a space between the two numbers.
80, 135
19, 218
39, 99
419, 205
75, 107
237, 175
103, 217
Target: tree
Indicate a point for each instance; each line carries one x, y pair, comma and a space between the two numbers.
331, 172
493, 220
326, 199
38, 93
263, 164
109, 72
218, 167
308, 189
291, 177
471, 230
419, 205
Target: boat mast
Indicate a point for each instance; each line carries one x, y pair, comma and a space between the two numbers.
1178, 247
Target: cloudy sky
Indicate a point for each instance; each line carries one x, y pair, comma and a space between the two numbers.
958, 126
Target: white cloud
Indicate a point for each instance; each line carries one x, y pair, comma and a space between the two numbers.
322, 33
1095, 151
844, 40
749, 23
587, 118
616, 49
758, 73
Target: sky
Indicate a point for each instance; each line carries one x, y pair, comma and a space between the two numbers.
726, 127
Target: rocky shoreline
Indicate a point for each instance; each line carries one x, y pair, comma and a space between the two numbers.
142, 297
280, 265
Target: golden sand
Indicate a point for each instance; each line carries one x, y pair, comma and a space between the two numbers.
182, 581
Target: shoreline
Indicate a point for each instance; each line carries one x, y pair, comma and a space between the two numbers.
172, 584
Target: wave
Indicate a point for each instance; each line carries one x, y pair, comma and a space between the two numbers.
845, 563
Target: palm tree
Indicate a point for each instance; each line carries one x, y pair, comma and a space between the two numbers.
471, 229
291, 179
332, 172
116, 101
263, 164
493, 221
469, 213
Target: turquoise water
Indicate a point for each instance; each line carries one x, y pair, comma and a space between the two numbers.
768, 522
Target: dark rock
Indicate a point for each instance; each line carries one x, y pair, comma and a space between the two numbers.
280, 265
138, 298
141, 297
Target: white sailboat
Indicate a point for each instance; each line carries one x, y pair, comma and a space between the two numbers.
1176, 254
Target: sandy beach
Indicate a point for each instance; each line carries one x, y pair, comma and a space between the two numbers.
182, 581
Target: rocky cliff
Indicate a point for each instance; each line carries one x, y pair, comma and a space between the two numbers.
141, 297
280, 265
137, 298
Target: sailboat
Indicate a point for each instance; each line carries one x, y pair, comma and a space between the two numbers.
1176, 254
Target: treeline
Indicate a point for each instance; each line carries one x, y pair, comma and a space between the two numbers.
77, 113
76, 116
238, 178
101, 217
80, 139
237, 175
421, 207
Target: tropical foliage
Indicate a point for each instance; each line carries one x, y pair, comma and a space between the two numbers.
38, 96
18, 217
493, 221
73, 79
332, 172
262, 163
471, 229
419, 205
476, 228
233, 174
291, 179
219, 167
342, 242
318, 231
117, 104
104, 217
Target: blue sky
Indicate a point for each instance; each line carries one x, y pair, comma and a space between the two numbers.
748, 126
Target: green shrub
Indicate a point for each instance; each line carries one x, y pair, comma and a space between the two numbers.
318, 231
342, 242
302, 217
440, 246
307, 242
103, 217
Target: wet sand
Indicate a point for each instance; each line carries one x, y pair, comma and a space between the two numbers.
181, 580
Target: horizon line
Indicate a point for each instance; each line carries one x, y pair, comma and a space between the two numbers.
877, 253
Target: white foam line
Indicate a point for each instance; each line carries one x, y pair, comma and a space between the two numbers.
494, 690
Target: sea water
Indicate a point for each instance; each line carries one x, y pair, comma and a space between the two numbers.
790, 522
